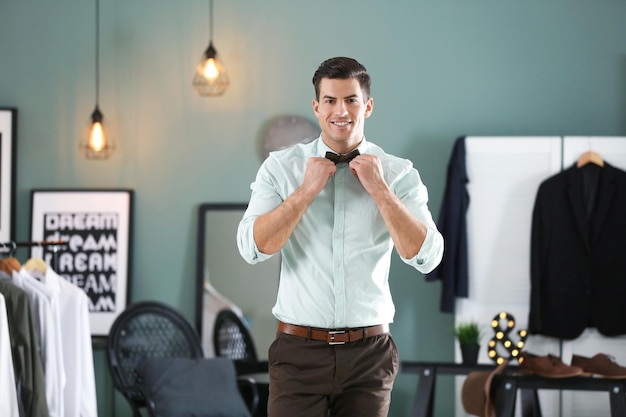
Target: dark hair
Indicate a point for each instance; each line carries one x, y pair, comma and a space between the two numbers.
342, 68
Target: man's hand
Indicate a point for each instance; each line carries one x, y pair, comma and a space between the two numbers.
369, 171
318, 171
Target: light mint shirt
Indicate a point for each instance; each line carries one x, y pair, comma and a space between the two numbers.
335, 265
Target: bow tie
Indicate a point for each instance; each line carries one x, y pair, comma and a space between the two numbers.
337, 159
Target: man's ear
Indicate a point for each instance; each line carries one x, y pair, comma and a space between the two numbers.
369, 107
315, 104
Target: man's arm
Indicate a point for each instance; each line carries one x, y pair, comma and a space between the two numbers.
273, 229
407, 232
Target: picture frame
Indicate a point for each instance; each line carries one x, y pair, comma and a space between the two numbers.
8, 135
94, 231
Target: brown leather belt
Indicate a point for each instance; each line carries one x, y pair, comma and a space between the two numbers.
333, 337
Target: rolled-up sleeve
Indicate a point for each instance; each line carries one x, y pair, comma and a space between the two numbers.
264, 198
246, 244
409, 187
430, 254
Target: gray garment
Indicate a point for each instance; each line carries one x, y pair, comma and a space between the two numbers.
29, 376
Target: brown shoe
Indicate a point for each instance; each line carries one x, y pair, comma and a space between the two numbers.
601, 365
549, 366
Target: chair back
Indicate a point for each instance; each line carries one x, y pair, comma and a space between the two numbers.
147, 329
232, 339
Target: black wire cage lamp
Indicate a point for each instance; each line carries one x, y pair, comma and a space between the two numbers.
210, 78
97, 142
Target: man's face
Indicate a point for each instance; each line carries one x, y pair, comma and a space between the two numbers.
341, 112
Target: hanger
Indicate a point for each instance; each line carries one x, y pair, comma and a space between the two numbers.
10, 264
34, 265
590, 157
37, 265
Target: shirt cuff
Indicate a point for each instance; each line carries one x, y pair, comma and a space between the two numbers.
430, 253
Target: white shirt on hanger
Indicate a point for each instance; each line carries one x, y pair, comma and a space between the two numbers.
8, 395
80, 387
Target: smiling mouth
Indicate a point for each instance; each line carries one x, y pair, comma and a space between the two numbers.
341, 124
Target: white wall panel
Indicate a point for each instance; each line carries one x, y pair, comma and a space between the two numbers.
504, 174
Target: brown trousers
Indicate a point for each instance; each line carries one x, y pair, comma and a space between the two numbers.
309, 378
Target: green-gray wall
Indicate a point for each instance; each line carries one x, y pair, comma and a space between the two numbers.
440, 69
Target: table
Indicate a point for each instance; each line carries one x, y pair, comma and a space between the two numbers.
506, 386
428, 371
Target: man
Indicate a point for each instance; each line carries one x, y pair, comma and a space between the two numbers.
335, 224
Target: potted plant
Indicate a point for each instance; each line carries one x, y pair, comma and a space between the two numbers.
468, 334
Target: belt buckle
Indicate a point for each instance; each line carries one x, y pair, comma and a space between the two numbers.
331, 338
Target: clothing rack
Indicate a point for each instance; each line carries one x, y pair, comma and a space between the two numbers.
50, 327
11, 247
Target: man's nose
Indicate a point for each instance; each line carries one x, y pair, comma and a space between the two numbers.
340, 109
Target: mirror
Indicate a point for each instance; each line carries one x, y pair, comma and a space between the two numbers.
225, 280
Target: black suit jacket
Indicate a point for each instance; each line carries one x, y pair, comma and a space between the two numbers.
578, 253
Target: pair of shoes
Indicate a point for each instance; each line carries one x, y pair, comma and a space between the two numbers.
601, 365
549, 366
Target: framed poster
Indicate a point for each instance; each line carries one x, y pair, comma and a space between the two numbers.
95, 228
8, 129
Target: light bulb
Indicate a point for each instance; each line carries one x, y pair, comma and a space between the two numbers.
210, 69
97, 141
97, 138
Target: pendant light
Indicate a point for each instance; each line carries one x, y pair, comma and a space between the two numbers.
96, 141
210, 78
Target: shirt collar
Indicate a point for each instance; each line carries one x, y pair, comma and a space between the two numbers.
49, 283
322, 148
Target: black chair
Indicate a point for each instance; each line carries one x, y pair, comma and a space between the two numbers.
232, 339
148, 330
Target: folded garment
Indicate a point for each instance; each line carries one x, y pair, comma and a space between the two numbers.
548, 366
601, 365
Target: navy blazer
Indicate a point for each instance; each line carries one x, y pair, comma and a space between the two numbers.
578, 253
452, 223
